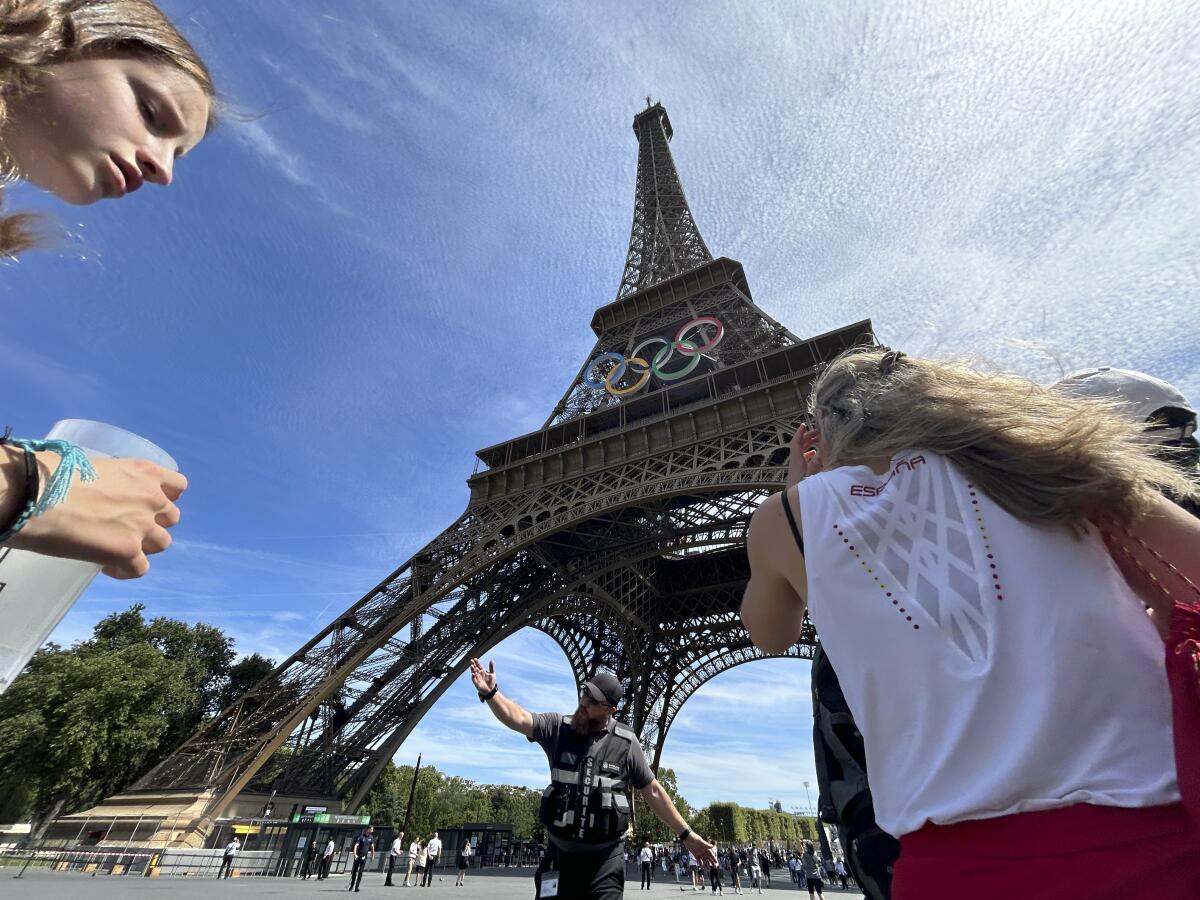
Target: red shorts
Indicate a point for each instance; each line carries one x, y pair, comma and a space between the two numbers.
1082, 852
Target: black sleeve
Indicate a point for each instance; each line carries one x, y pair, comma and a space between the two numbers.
545, 730
639, 770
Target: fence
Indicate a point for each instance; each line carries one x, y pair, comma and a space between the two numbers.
138, 861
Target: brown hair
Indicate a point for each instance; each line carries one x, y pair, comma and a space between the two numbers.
38, 33
1042, 455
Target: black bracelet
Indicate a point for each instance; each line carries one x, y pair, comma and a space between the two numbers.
28, 499
484, 698
683, 835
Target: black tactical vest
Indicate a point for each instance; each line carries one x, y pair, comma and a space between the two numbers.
586, 802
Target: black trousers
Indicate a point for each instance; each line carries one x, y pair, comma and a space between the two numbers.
430, 863
391, 865
326, 862
645, 875
583, 876
226, 867
306, 869
356, 872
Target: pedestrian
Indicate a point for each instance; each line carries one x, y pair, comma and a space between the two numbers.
327, 858
395, 855
414, 853
465, 852
755, 870
764, 862
362, 852
735, 862
422, 863
594, 760
791, 864
432, 851
310, 858
714, 876
839, 869
694, 870
231, 852
943, 528
811, 869
646, 859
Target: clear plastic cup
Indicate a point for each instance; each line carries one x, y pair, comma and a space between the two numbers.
36, 591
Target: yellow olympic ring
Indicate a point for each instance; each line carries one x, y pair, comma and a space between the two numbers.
636, 386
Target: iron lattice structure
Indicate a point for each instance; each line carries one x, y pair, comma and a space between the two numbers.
618, 529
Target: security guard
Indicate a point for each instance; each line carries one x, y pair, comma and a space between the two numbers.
594, 760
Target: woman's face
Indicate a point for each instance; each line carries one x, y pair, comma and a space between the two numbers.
101, 128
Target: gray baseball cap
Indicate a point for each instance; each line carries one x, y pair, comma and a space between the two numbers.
1143, 395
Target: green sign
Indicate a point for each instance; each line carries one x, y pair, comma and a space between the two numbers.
331, 819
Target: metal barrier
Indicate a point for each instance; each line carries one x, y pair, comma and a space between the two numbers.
90, 860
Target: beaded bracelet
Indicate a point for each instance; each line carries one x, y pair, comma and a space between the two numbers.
71, 459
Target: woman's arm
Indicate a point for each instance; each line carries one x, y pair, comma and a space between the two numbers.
114, 521
1174, 535
773, 607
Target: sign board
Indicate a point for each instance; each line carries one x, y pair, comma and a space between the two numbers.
326, 818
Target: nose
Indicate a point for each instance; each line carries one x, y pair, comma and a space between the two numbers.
155, 167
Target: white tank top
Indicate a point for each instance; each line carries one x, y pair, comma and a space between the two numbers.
992, 666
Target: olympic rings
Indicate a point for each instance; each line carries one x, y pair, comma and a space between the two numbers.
609, 381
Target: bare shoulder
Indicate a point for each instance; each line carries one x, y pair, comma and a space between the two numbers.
769, 530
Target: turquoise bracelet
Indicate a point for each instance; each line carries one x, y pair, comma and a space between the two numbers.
71, 459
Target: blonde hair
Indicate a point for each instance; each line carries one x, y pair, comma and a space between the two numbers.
1043, 456
39, 33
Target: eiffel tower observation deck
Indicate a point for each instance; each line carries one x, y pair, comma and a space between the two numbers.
618, 529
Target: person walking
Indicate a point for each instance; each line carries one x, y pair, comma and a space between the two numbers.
755, 870
310, 858
414, 854
227, 858
943, 527
465, 852
326, 859
362, 852
646, 862
764, 862
432, 851
839, 870
423, 857
594, 760
395, 855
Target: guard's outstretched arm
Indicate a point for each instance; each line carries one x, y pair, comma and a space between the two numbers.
659, 800
511, 713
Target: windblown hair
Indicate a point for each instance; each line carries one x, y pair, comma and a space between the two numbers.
1043, 456
39, 33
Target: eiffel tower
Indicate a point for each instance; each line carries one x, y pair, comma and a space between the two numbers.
617, 528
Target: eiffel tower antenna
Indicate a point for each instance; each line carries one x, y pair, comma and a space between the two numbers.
618, 529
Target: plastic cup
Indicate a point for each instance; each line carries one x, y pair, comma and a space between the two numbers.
36, 591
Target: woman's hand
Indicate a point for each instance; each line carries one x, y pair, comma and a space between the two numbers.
115, 521
805, 456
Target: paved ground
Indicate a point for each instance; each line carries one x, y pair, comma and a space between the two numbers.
513, 884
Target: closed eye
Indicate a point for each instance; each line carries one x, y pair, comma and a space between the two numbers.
148, 111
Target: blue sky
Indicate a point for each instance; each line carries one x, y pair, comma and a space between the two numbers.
393, 261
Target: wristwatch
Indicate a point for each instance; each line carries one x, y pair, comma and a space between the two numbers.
484, 698
683, 835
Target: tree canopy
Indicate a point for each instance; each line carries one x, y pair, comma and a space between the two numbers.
82, 723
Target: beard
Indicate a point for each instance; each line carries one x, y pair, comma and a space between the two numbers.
583, 722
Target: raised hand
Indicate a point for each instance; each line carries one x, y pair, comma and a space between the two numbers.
805, 456
484, 680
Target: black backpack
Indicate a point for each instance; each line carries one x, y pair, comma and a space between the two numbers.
843, 792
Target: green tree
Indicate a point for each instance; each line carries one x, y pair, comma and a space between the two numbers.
649, 827
82, 723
